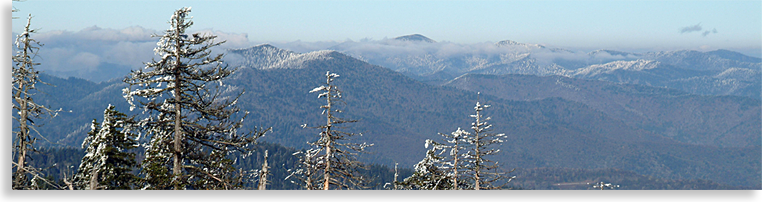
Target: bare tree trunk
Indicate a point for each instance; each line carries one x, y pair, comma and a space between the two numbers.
478, 166
23, 134
93, 179
477, 179
338, 166
326, 174
263, 174
455, 168
21, 98
178, 136
24, 77
308, 181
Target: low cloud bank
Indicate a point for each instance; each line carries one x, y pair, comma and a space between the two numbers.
90, 52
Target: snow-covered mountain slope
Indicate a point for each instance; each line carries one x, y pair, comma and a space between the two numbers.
719, 72
406, 54
730, 81
597, 69
514, 43
266, 56
695, 60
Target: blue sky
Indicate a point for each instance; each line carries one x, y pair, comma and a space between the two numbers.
582, 24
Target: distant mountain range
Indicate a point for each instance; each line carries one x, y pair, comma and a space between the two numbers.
551, 121
719, 72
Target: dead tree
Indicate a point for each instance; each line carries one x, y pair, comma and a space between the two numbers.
25, 77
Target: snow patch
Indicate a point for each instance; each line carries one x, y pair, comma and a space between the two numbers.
635, 65
269, 57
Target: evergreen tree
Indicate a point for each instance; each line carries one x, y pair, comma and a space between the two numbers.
437, 171
482, 171
190, 119
430, 173
24, 78
331, 161
107, 163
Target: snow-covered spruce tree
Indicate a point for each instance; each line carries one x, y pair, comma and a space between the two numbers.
108, 163
451, 164
24, 78
430, 174
481, 171
191, 124
334, 156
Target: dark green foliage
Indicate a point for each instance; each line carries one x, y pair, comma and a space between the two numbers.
109, 154
57, 164
60, 162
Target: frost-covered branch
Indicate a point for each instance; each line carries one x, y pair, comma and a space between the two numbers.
331, 162
482, 171
466, 166
187, 114
24, 78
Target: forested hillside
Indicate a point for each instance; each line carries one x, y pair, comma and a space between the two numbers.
193, 108
397, 114
673, 114
63, 162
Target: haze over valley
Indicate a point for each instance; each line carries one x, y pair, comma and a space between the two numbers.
677, 115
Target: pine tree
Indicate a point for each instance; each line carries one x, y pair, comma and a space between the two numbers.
190, 119
25, 77
482, 171
108, 163
437, 171
332, 160
430, 173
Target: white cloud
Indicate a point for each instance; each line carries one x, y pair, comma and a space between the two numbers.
84, 61
232, 40
67, 53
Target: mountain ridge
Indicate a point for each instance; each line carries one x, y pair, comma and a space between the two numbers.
398, 113
688, 70
415, 38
